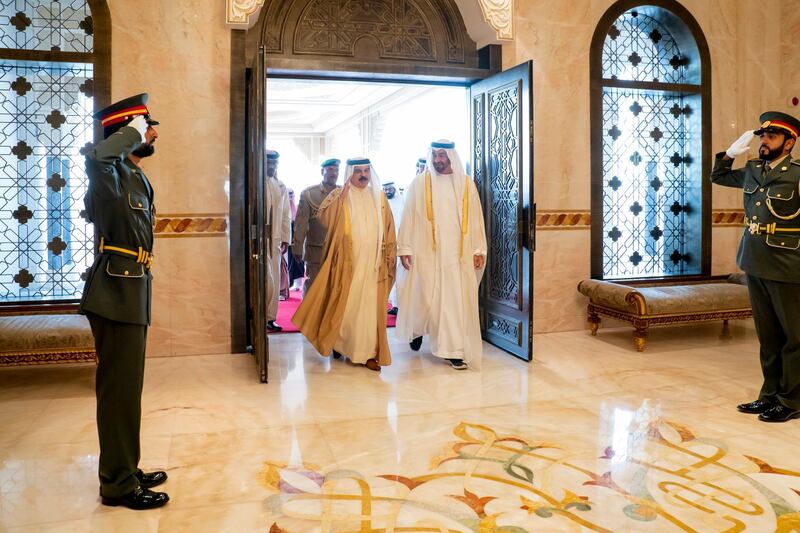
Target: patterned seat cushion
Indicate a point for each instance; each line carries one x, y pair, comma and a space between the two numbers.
669, 299
44, 332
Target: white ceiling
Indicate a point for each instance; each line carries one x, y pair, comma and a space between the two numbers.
314, 107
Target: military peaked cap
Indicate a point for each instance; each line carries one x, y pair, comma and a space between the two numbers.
777, 122
124, 110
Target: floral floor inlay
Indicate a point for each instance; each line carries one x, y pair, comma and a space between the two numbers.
662, 476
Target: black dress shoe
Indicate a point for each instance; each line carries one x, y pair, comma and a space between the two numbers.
149, 480
415, 344
458, 364
272, 326
140, 499
392, 311
778, 413
336, 355
755, 408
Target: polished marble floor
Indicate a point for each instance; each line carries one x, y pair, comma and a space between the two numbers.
592, 436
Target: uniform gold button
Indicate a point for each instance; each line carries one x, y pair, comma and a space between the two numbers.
782, 243
779, 195
140, 203
755, 217
126, 272
758, 203
761, 189
783, 168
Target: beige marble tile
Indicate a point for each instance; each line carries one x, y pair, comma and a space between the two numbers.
589, 427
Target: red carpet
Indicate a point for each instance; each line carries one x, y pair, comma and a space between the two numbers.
287, 308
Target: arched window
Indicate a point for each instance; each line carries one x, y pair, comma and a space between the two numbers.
650, 86
54, 71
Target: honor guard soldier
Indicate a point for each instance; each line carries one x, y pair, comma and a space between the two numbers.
309, 233
769, 253
117, 295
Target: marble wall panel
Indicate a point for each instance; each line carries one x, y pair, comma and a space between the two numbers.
191, 297
725, 244
179, 52
562, 259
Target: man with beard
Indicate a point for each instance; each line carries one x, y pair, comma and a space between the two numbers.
395, 200
279, 220
117, 296
309, 233
442, 246
344, 312
769, 253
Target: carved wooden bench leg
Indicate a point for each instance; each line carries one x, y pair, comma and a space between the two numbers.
640, 335
726, 330
594, 320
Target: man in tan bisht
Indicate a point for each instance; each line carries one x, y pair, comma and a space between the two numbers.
442, 246
344, 311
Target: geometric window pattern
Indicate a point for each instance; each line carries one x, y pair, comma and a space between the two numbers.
504, 155
651, 155
46, 245
64, 25
639, 48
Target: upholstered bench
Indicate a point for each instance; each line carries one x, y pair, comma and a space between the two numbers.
40, 339
655, 304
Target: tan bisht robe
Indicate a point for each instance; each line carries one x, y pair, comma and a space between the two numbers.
320, 315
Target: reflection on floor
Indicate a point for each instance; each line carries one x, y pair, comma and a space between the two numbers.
591, 437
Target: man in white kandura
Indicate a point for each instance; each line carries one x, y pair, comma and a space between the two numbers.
395, 199
344, 311
442, 246
279, 218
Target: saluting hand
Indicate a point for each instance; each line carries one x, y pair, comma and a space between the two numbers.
740, 146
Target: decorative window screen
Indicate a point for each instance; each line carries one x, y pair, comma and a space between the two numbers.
45, 117
651, 173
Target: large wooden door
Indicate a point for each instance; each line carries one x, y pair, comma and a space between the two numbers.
258, 234
502, 151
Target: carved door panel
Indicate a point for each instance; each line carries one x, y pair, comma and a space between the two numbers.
257, 231
502, 151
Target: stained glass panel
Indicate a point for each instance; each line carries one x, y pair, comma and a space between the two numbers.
64, 25
45, 118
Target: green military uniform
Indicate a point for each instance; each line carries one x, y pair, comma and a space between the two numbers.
117, 297
769, 252
309, 231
